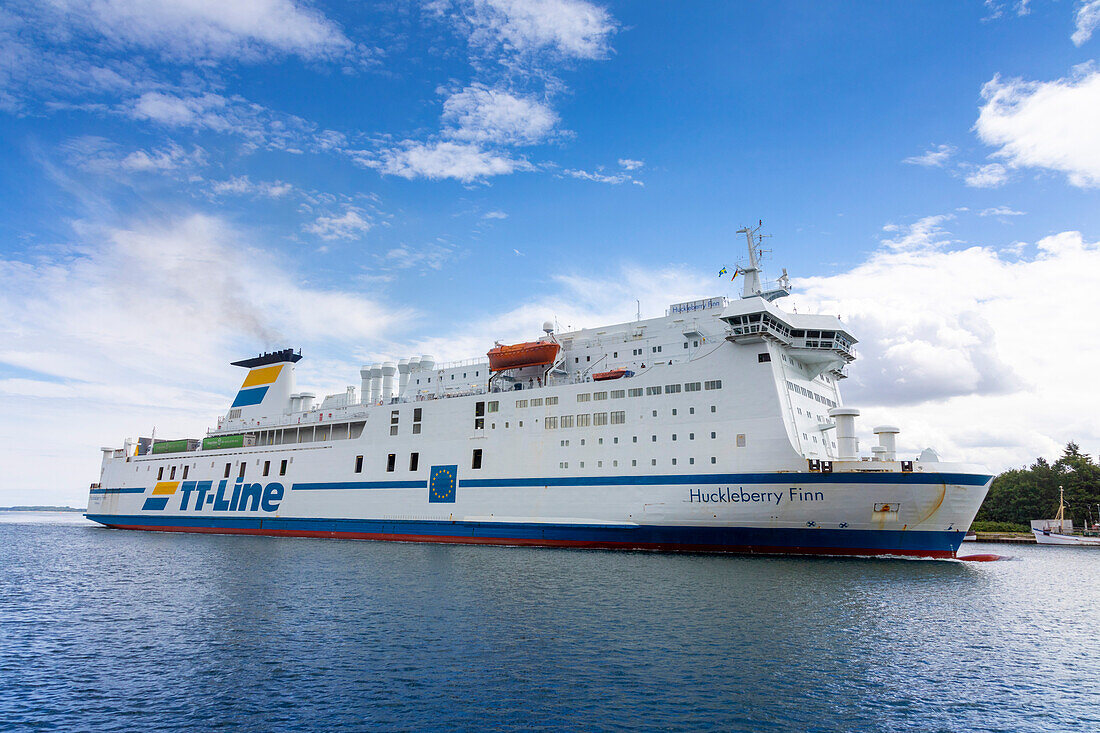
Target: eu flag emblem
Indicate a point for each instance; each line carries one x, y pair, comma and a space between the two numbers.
441, 486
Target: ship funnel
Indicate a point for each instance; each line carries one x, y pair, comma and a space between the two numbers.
375, 383
388, 370
295, 403
402, 376
887, 440
846, 442
427, 363
878, 453
307, 401
364, 392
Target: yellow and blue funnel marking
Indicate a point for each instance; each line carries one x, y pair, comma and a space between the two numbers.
256, 385
163, 491
441, 486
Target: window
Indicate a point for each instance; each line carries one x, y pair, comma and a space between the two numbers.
550, 423
673, 410
520, 404
551, 401
654, 413
494, 406
634, 462
685, 344
172, 473
672, 388
713, 384
418, 414
599, 418
618, 394
713, 408
653, 461
282, 468
567, 421
358, 464
636, 392
652, 390
615, 355
476, 463
599, 395
765, 357
536, 402
713, 459
673, 461
414, 461
267, 467
227, 467
160, 473
740, 440
584, 397
394, 415
479, 423
635, 438
391, 462
240, 474
583, 421
185, 471
618, 418
691, 461
692, 387
691, 436
654, 437
713, 435
674, 436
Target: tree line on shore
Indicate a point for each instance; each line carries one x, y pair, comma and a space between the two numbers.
1021, 494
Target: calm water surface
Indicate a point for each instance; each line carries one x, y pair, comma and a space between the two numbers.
116, 630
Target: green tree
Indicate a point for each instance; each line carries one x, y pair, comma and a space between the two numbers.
1022, 494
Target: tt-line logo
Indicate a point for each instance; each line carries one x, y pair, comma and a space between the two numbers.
244, 497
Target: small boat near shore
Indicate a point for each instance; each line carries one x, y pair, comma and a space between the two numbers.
1053, 531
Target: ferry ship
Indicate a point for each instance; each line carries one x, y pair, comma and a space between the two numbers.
718, 427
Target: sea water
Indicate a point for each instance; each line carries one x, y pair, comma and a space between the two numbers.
120, 630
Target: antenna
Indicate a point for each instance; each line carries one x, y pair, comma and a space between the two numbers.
639, 314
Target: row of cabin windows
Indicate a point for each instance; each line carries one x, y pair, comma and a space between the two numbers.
395, 417
617, 394
428, 380
633, 462
414, 461
811, 394
225, 473
310, 433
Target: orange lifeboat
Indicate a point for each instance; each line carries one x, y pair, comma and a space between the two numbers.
517, 356
613, 374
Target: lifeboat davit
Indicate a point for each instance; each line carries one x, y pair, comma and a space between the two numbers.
613, 374
517, 356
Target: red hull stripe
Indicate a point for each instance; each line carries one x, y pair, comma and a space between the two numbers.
543, 542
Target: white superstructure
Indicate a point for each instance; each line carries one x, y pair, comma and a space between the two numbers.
719, 425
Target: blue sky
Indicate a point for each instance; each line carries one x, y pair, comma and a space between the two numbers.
183, 183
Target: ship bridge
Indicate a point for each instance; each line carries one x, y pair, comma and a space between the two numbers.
819, 342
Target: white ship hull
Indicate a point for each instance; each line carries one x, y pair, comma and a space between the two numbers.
1053, 538
718, 436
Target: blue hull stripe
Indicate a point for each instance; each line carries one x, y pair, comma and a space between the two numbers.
685, 537
361, 485
155, 503
135, 490
965, 479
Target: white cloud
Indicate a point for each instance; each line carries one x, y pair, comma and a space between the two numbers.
1001, 211
631, 165
194, 29
244, 186
464, 162
102, 156
925, 233
135, 327
494, 215
1087, 19
933, 158
965, 348
570, 28
991, 175
430, 257
614, 179
229, 115
1050, 125
482, 114
349, 225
